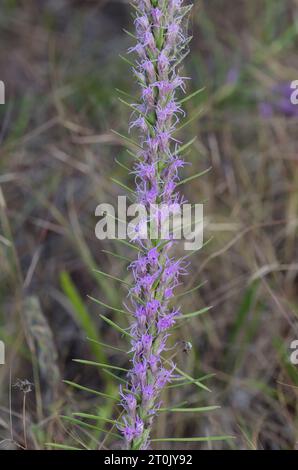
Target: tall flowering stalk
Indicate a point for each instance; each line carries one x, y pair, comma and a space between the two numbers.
160, 47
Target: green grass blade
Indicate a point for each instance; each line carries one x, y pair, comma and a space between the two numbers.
122, 185
126, 243
188, 382
115, 309
194, 314
89, 390
115, 326
194, 381
98, 364
192, 95
127, 60
191, 119
126, 168
187, 145
81, 313
87, 425
193, 439
111, 374
201, 409
109, 346
61, 446
112, 277
95, 417
123, 258
124, 137
197, 175
193, 289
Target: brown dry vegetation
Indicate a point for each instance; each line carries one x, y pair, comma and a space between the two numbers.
60, 63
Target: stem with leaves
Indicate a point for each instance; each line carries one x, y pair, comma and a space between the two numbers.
161, 44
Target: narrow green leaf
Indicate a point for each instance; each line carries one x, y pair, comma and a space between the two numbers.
107, 306
243, 311
81, 312
193, 439
191, 119
95, 417
111, 374
180, 59
125, 59
107, 345
190, 382
98, 364
87, 425
61, 446
130, 34
188, 144
192, 95
89, 390
196, 251
191, 290
122, 165
131, 154
135, 109
112, 277
124, 93
126, 138
122, 185
194, 381
124, 258
197, 175
194, 314
190, 410
114, 325
135, 7
126, 243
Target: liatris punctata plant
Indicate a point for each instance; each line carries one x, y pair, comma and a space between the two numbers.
160, 48
161, 43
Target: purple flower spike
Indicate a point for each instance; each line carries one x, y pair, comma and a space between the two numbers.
161, 44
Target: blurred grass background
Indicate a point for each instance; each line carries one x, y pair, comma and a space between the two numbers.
60, 63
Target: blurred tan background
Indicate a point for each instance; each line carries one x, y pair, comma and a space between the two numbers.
60, 63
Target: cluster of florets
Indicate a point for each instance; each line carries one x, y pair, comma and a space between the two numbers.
160, 44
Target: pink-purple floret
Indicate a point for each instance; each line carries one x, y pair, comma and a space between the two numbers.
160, 43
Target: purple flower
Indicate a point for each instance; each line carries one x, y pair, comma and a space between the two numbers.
279, 103
232, 76
157, 16
139, 427
168, 293
153, 362
173, 32
153, 257
129, 402
152, 307
163, 62
148, 392
160, 40
129, 433
163, 377
149, 69
166, 322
